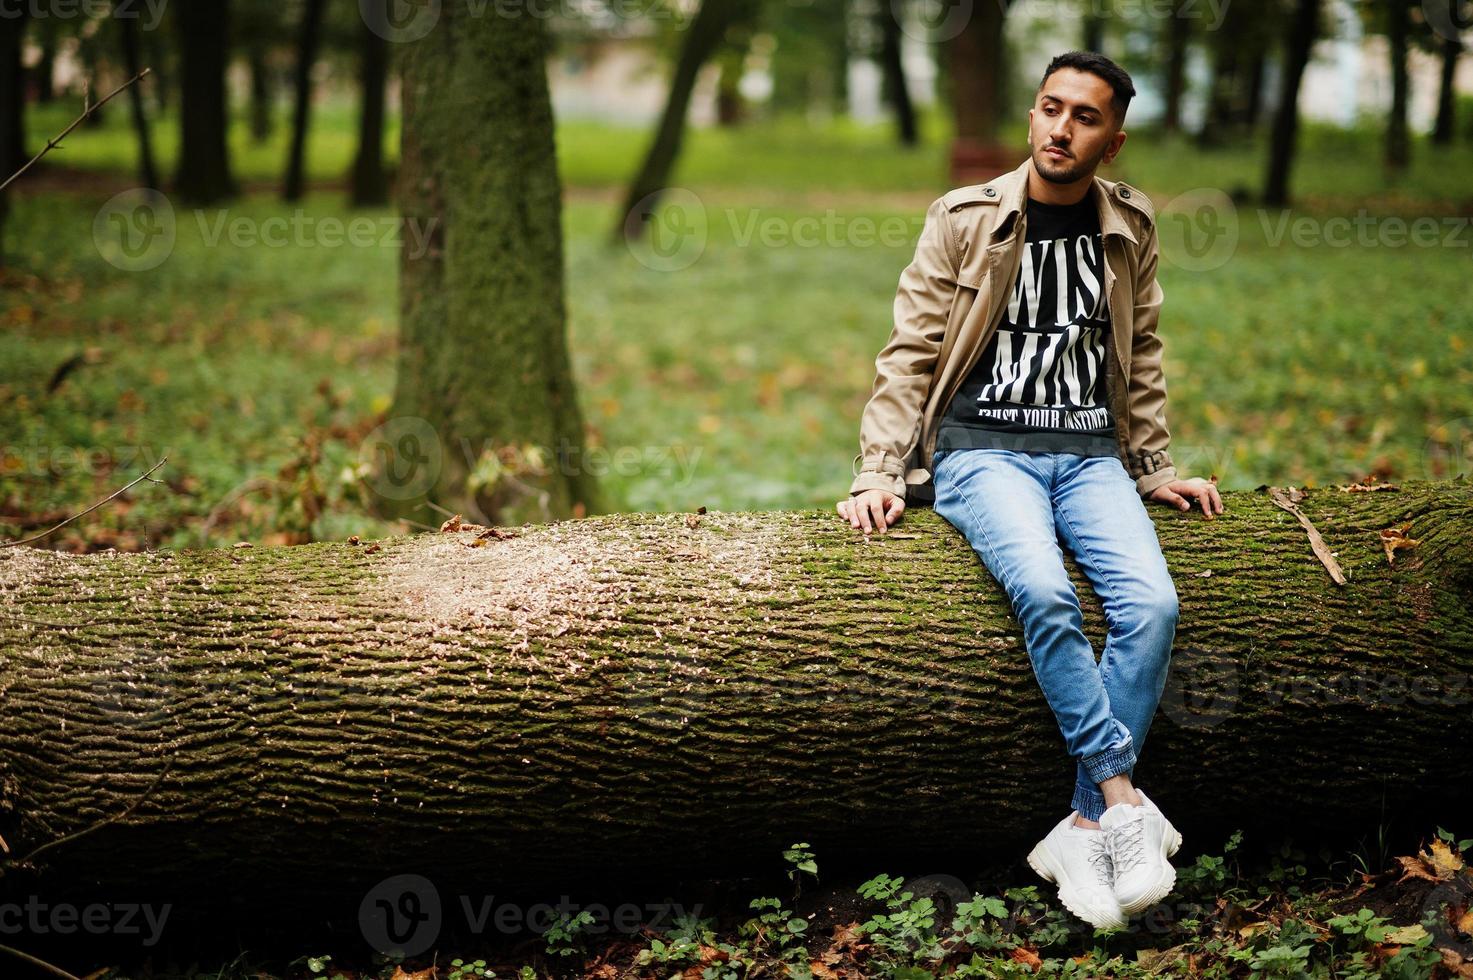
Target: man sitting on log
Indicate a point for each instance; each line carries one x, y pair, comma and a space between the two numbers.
998, 397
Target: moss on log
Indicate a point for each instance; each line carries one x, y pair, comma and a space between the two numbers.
633, 694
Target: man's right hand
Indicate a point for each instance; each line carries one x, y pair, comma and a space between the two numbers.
872, 509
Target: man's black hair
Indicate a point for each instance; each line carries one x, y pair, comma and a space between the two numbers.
1097, 64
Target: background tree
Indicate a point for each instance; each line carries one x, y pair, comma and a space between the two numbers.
1177, 31
368, 184
1302, 29
701, 40
483, 355
1395, 20
309, 40
13, 90
892, 66
204, 156
126, 22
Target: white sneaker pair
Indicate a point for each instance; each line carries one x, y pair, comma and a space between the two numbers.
1106, 875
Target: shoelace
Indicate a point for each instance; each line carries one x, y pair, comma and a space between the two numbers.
1127, 844
1100, 860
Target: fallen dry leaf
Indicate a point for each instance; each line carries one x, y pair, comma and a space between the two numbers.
451, 525
1442, 860
1393, 539
1027, 957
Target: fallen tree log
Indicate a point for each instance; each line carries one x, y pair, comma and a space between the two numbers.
655, 694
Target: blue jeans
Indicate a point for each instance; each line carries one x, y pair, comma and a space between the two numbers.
1016, 509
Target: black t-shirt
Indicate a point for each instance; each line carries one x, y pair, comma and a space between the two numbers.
1040, 383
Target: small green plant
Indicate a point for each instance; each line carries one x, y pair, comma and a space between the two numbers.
800, 856
1288, 962
1459, 846
566, 936
474, 970
906, 929
1365, 926
320, 966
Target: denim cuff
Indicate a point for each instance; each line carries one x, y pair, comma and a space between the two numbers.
1111, 762
1090, 804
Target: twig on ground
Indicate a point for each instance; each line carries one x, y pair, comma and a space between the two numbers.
38, 537
39, 964
1321, 550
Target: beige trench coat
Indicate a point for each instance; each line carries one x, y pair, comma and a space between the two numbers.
950, 301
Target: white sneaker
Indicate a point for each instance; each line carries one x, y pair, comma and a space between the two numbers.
1078, 858
1140, 840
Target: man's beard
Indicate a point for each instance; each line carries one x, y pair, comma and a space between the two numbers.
1063, 172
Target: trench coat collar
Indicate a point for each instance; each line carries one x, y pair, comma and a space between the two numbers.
1012, 189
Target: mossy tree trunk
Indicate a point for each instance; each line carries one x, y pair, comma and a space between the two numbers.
633, 695
485, 388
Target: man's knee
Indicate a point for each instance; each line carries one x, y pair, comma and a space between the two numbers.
1148, 607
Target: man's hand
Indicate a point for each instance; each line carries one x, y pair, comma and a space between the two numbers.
872, 509
1180, 493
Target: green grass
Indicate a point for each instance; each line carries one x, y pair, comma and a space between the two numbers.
735, 382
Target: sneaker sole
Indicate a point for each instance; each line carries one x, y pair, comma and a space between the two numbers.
1038, 860
1171, 843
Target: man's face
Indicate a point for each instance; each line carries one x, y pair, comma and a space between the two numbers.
1072, 127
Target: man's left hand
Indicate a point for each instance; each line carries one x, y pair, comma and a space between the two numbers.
1181, 493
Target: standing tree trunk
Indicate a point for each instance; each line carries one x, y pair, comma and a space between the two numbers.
975, 62
13, 154
1398, 140
702, 38
310, 38
1447, 105
485, 386
46, 64
262, 92
896, 89
1178, 33
1303, 30
368, 185
12, 109
204, 114
1094, 30
639, 694
1253, 106
128, 37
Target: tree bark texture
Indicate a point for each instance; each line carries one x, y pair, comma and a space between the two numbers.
484, 372
632, 696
